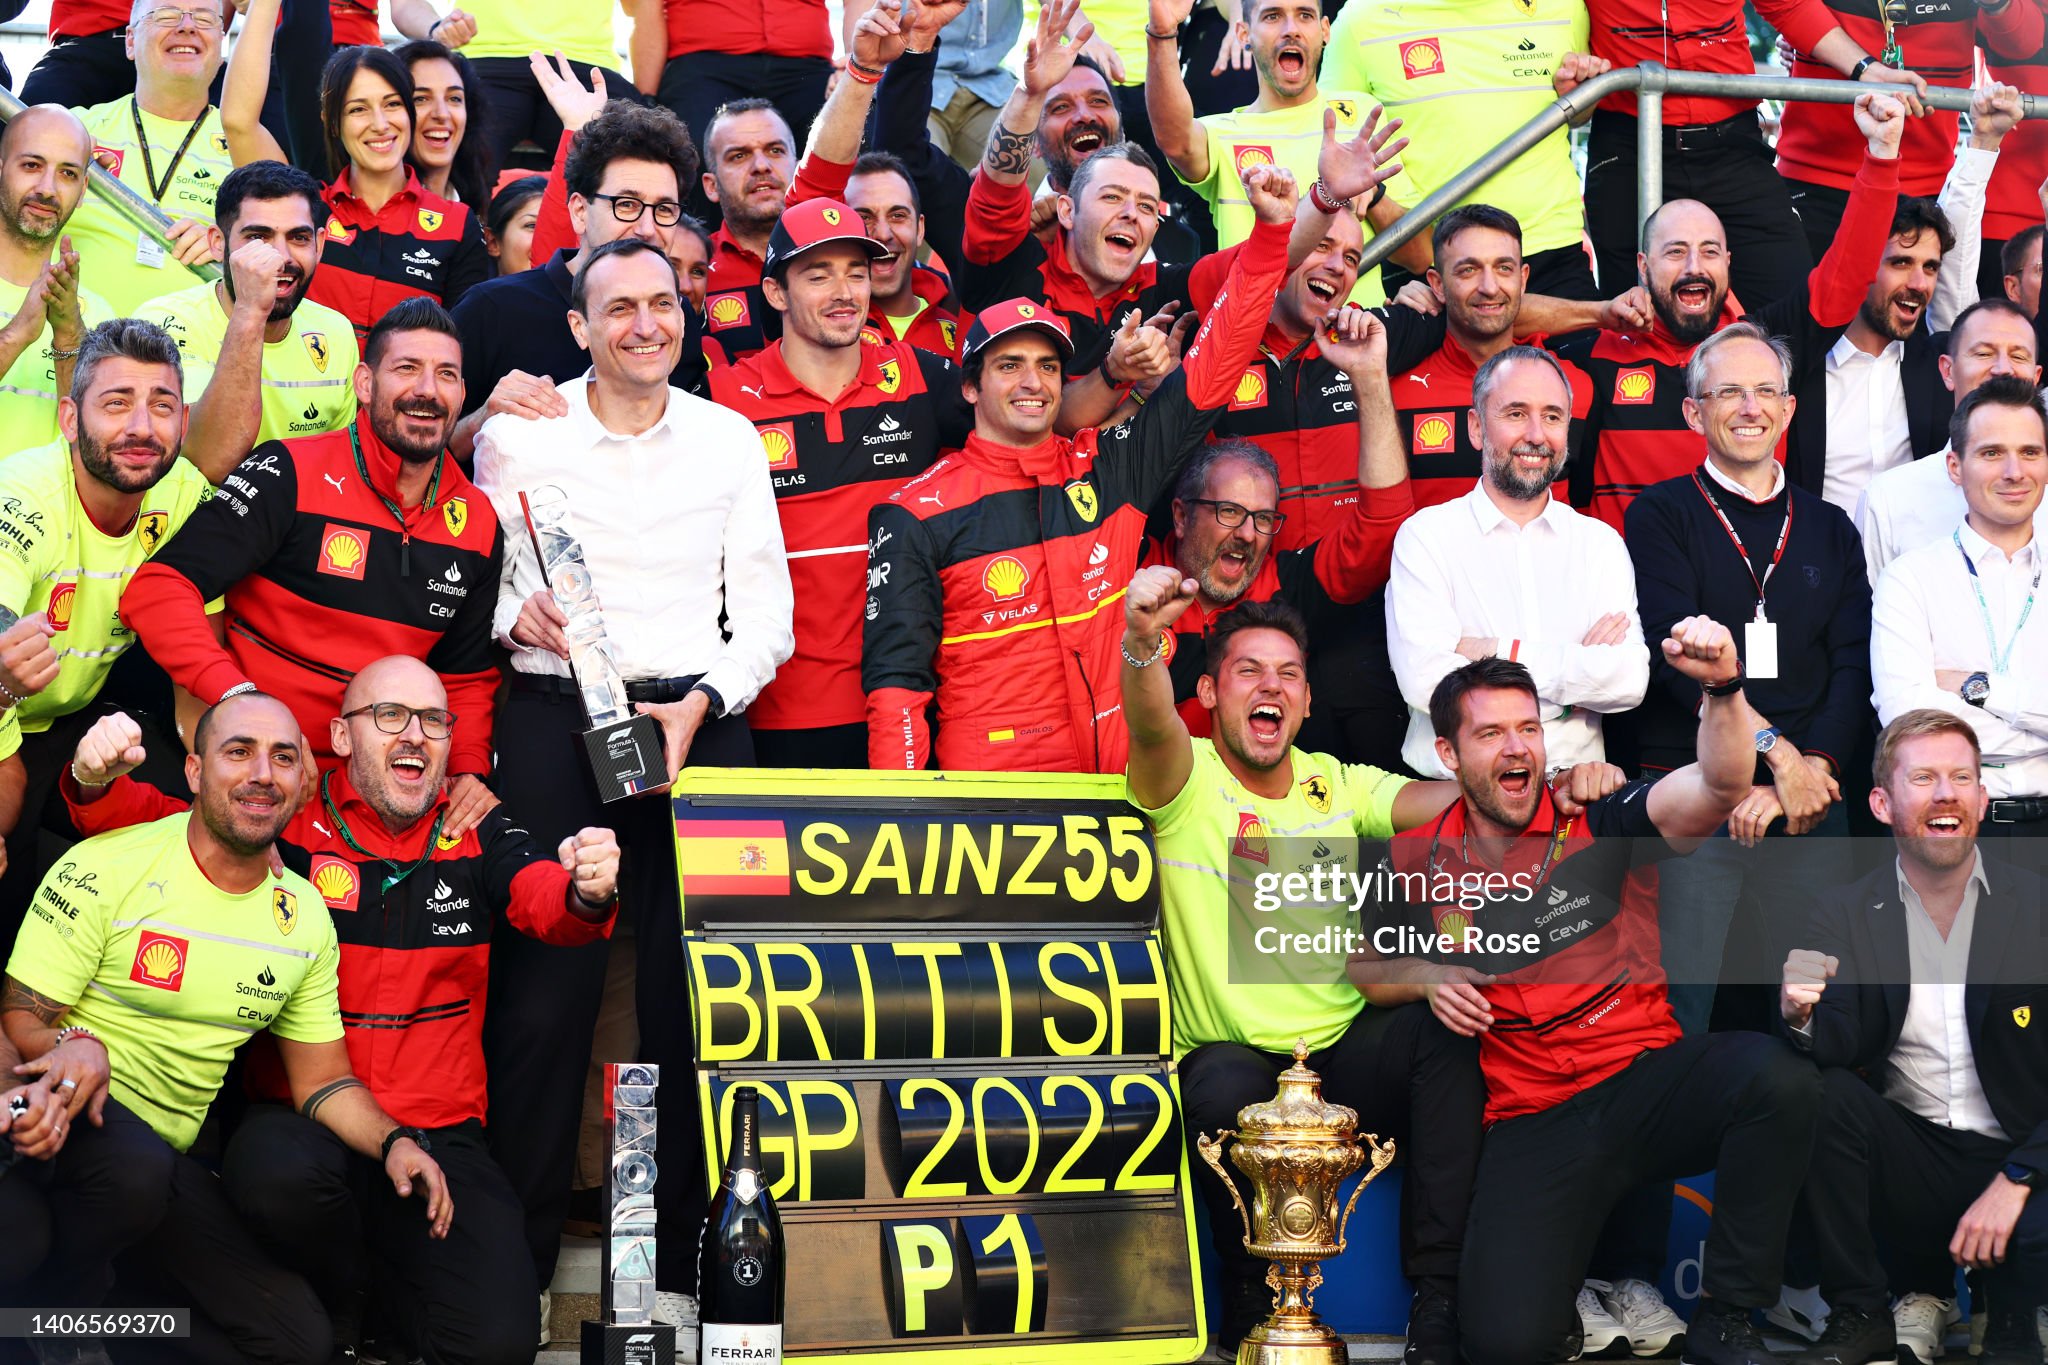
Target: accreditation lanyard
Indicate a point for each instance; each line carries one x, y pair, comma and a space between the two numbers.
355, 445
156, 190
396, 874
1999, 660
1784, 534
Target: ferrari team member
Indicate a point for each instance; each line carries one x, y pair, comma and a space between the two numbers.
336, 550
976, 567
44, 156
414, 913
908, 300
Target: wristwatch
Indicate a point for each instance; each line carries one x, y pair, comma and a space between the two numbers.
418, 1135
1725, 689
1767, 739
2022, 1175
1976, 688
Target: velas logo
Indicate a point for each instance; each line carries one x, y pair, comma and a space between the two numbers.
779, 444
1423, 57
1635, 386
60, 605
726, 310
337, 882
1005, 578
1248, 157
160, 961
1434, 433
316, 350
344, 552
1251, 838
1251, 389
151, 528
455, 516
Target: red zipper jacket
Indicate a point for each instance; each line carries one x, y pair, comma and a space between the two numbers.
418, 245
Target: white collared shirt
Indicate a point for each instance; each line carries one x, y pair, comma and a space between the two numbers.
1924, 617
1463, 569
1715, 473
1905, 508
678, 525
1867, 430
1933, 1069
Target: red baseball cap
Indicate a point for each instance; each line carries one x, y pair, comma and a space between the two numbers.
814, 223
1014, 315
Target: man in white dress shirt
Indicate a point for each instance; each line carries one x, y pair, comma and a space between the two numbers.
1953, 623
1508, 570
670, 497
1905, 508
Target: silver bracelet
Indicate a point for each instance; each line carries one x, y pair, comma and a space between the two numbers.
1157, 654
96, 786
237, 690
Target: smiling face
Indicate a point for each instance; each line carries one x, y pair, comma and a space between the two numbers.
634, 323
376, 125
883, 201
399, 775
1896, 304
1497, 757
2001, 467
1287, 38
1480, 279
823, 295
692, 261
182, 53
1934, 800
247, 773
1111, 223
1080, 119
1990, 342
126, 432
1324, 280
513, 247
1686, 269
287, 225
1018, 393
1258, 697
414, 396
47, 152
750, 160
440, 112
1741, 431
651, 182
1224, 560
1522, 432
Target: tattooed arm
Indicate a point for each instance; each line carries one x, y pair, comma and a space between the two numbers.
1048, 59
74, 1072
30, 1018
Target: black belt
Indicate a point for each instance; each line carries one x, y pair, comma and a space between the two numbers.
1698, 137
2018, 810
638, 689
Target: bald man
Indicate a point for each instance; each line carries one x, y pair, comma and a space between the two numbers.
414, 909
44, 153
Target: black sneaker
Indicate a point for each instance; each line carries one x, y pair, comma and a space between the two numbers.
1853, 1337
1722, 1334
1432, 1328
2011, 1338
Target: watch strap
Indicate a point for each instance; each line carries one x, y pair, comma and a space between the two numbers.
1726, 689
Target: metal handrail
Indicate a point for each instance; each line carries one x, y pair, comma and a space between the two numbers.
138, 212
1650, 81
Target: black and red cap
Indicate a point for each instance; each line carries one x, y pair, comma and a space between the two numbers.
1013, 315
816, 222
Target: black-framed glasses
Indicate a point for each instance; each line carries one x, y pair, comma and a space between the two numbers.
1230, 516
170, 16
392, 717
627, 208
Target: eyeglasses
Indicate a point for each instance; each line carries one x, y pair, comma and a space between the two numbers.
392, 718
1734, 393
170, 16
1230, 516
627, 209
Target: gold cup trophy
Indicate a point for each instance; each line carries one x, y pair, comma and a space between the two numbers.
1296, 1150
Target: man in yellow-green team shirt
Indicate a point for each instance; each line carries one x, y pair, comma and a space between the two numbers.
152, 956
1460, 75
76, 518
254, 332
1284, 126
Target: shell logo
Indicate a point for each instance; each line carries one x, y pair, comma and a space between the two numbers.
1423, 57
160, 961
1251, 389
337, 883
1434, 433
1248, 157
1454, 923
1005, 578
779, 444
60, 605
727, 310
1635, 386
1251, 838
343, 552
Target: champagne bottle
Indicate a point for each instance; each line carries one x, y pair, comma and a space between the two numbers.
740, 1259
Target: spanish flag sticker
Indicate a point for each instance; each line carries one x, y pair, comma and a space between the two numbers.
733, 857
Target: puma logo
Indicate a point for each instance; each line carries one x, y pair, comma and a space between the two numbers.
336, 482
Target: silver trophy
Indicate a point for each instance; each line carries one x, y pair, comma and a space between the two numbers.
627, 1333
625, 749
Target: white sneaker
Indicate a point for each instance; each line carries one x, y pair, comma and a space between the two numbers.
1603, 1334
1802, 1312
545, 1305
1649, 1322
680, 1311
1922, 1322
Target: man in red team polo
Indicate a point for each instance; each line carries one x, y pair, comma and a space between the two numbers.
993, 577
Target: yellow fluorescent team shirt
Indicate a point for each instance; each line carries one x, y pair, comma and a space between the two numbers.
28, 391
1214, 839
1292, 138
579, 29
308, 378
1462, 75
124, 266
171, 972
53, 559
